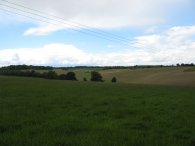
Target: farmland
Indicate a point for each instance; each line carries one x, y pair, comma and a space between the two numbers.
184, 76
180, 76
152, 75
45, 112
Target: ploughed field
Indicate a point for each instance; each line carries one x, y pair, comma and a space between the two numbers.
40, 112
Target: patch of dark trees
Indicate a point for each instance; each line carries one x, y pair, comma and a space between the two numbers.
45, 75
183, 64
126, 67
95, 76
26, 67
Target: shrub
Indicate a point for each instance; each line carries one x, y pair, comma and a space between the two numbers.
95, 76
71, 76
113, 80
62, 77
51, 75
84, 79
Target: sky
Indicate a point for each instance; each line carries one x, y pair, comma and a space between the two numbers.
97, 33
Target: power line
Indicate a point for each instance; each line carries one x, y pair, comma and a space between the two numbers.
40, 20
65, 23
101, 31
74, 24
57, 24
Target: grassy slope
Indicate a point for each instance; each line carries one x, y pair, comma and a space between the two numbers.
38, 112
162, 76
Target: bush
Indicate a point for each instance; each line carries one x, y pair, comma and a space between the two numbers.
71, 76
62, 77
51, 75
113, 80
95, 76
85, 79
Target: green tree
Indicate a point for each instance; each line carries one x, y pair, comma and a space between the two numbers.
62, 77
96, 76
85, 79
71, 76
51, 75
113, 80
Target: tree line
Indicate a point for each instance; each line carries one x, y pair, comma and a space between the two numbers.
26, 67
32, 67
46, 75
95, 76
185, 64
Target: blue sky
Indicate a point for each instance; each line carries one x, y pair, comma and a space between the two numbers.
155, 32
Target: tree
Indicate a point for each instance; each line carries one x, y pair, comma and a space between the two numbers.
62, 77
113, 80
95, 76
51, 75
84, 79
71, 76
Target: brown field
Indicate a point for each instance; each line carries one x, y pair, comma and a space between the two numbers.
163, 76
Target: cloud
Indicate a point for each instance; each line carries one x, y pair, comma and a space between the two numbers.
48, 54
175, 45
60, 54
43, 30
105, 14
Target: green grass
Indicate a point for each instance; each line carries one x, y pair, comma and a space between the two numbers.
38, 112
192, 69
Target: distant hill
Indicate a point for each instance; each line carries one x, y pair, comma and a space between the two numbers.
183, 74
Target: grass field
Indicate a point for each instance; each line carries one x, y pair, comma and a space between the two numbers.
38, 112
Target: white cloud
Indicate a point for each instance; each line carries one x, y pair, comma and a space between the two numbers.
49, 54
61, 54
43, 30
176, 45
105, 14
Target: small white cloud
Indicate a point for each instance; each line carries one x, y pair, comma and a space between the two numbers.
43, 30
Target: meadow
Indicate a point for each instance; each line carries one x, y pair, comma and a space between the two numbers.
41, 112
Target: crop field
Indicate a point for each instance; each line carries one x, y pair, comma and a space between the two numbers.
40, 112
162, 76
184, 76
